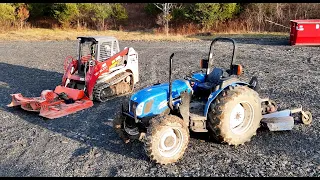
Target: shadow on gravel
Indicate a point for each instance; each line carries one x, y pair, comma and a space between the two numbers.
299, 143
90, 127
28, 81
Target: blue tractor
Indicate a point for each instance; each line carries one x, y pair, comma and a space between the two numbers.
214, 101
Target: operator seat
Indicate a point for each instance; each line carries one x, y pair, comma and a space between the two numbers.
212, 79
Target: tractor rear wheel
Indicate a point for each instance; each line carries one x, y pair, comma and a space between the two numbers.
235, 115
167, 139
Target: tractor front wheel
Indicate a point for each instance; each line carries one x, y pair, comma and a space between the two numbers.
167, 139
125, 128
235, 115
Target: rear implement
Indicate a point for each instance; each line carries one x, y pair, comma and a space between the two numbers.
53, 104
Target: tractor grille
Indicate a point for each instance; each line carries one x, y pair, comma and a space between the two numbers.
133, 106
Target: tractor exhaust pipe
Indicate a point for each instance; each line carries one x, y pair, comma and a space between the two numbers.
170, 83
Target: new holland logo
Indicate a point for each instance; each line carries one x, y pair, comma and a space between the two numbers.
162, 104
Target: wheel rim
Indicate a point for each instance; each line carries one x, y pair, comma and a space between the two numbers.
241, 118
132, 131
308, 119
170, 142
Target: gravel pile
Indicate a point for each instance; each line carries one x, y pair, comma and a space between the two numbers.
84, 144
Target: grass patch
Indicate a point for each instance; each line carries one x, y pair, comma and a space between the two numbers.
40, 34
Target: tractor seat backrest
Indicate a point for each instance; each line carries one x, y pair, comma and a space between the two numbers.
215, 76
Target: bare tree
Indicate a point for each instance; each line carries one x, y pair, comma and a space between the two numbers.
22, 14
166, 9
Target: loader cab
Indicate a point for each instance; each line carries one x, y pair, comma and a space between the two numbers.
98, 48
87, 49
104, 46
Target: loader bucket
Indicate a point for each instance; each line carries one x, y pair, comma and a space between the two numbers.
50, 105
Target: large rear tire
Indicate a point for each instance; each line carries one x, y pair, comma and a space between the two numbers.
167, 139
235, 115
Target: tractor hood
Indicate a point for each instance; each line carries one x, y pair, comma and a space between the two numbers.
153, 100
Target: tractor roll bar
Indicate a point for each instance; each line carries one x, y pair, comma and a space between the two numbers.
210, 58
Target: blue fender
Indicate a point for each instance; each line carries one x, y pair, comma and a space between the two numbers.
214, 95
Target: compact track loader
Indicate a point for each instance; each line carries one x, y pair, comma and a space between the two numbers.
100, 72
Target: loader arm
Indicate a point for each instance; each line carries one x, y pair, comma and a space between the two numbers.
102, 67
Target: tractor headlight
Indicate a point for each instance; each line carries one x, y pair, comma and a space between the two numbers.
139, 109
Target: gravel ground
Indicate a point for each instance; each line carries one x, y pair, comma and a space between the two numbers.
84, 144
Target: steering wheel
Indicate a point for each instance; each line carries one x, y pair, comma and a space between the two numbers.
192, 79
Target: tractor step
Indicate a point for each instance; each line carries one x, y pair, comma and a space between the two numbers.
196, 111
198, 123
197, 120
197, 117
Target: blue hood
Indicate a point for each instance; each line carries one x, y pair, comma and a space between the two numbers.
158, 94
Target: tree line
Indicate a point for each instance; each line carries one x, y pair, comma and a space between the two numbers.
167, 16
88, 15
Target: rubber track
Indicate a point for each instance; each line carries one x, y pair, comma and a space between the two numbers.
99, 87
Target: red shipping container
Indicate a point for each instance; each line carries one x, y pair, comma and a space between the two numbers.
305, 32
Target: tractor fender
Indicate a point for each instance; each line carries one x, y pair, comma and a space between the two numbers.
214, 95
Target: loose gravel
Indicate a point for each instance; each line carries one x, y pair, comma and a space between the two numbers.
84, 143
